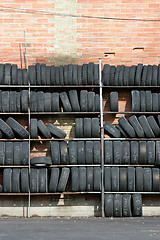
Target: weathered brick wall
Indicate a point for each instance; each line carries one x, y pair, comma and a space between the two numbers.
63, 40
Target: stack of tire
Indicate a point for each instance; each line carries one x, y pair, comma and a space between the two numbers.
140, 75
69, 102
87, 127
132, 152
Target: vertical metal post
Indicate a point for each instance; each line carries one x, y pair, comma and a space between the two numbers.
29, 118
102, 138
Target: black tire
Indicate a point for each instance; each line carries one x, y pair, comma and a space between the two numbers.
151, 154
12, 102
106, 75
64, 158
122, 132
157, 161
155, 179
126, 156
43, 74
117, 205
126, 205
87, 127
82, 179
107, 179
132, 73
7, 74
139, 179
2, 153
114, 101
96, 74
25, 77
138, 74
121, 75
147, 180
115, 179
25, 153
17, 153
65, 68
16, 180
43, 180
74, 77
136, 125
149, 75
70, 74
91, 103
73, 96
0, 100
116, 75
53, 75
38, 74
127, 127
96, 152
34, 180
24, 101
18, 102
63, 179
135, 101
134, 148
117, 152
56, 132
55, 152
108, 152
57, 76
131, 179
142, 152
1, 73
146, 127
34, 128
79, 133
95, 128
155, 105
137, 205
144, 76
72, 152
5, 101
84, 74
54, 178
33, 102
24, 176
9, 153
61, 76
108, 205
126, 76
74, 179
6, 129
142, 101
112, 75
123, 182
154, 126
111, 130
40, 101
41, 160
43, 129
89, 179
84, 100
55, 102
65, 102
79, 75
48, 75
18, 128
90, 73
81, 152
47, 102
14, 74
97, 179
89, 152
148, 101
97, 103
32, 75
7, 180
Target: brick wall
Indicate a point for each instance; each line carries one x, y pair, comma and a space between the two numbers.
63, 40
